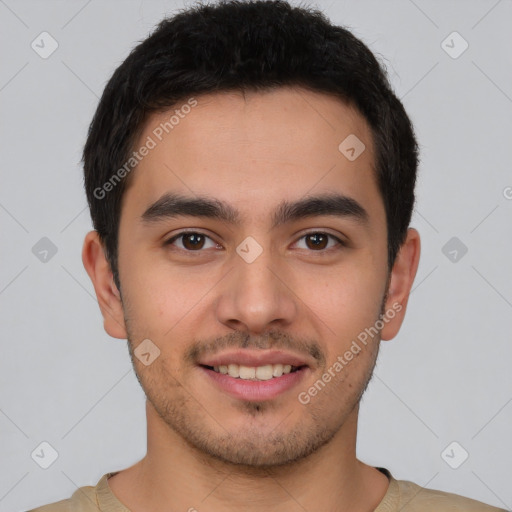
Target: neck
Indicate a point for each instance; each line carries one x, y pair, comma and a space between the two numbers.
173, 473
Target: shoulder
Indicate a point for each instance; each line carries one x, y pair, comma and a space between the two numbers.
82, 500
414, 498
59, 506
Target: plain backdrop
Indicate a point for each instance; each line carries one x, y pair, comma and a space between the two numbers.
442, 389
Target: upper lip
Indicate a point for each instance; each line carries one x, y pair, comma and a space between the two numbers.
254, 358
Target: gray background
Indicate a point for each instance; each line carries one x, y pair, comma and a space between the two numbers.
445, 378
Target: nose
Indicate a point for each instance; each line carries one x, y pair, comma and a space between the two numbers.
257, 295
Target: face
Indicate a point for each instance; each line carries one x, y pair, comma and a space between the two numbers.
255, 284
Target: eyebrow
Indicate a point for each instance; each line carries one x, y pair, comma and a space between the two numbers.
172, 205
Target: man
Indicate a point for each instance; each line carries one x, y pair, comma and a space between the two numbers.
250, 176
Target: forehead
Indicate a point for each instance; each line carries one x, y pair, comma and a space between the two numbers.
255, 149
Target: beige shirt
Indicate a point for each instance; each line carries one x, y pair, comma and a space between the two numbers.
402, 495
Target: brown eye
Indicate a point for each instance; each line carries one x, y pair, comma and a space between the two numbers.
319, 241
191, 241
316, 241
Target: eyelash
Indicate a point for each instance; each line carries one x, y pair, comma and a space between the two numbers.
340, 244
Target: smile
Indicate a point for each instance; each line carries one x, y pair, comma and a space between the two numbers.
245, 382
258, 373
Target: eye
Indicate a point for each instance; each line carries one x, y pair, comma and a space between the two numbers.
319, 241
191, 241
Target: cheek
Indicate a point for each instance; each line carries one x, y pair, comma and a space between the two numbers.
155, 302
169, 305
347, 300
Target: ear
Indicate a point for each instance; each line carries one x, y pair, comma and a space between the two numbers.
109, 298
400, 284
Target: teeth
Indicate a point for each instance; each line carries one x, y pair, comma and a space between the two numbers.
234, 370
277, 370
246, 372
265, 372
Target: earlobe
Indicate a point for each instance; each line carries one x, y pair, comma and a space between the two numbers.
400, 284
109, 298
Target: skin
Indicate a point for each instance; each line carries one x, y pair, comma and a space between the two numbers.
206, 449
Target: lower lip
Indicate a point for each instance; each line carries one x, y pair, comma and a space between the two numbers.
256, 390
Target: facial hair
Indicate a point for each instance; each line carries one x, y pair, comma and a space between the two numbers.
253, 447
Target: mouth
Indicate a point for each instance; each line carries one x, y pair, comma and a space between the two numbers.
255, 375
